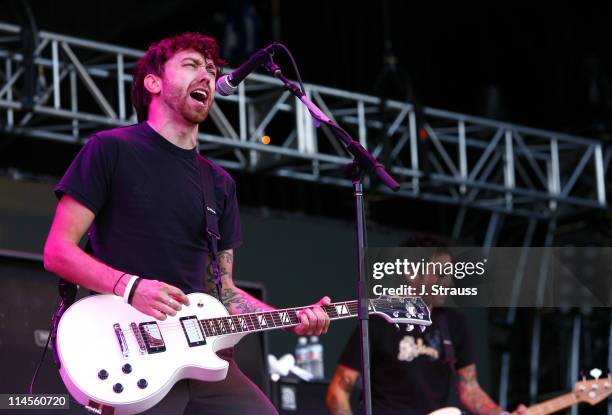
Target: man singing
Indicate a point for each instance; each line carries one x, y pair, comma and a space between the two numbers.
139, 192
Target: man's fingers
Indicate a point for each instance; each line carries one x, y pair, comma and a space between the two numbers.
313, 321
320, 316
324, 301
177, 294
166, 309
171, 302
158, 315
327, 321
304, 325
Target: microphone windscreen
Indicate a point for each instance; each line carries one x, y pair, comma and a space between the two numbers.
223, 86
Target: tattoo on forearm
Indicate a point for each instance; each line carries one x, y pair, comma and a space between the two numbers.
237, 301
233, 298
472, 396
345, 382
338, 407
467, 377
341, 388
226, 260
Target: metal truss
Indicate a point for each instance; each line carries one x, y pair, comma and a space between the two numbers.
83, 86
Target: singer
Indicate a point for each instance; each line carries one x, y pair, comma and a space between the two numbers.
139, 191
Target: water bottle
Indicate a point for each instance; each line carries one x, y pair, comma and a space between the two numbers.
301, 353
315, 350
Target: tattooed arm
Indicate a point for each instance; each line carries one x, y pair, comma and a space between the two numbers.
471, 395
313, 320
340, 389
236, 300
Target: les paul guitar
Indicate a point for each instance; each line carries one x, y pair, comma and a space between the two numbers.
586, 391
117, 360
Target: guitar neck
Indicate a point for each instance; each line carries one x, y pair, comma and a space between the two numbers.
275, 319
552, 405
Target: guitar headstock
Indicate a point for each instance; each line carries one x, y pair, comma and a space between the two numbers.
595, 390
402, 310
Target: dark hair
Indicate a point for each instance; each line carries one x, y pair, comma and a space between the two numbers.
158, 54
439, 245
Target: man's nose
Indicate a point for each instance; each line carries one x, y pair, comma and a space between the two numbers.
204, 75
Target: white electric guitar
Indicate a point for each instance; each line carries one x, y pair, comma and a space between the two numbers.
587, 391
117, 360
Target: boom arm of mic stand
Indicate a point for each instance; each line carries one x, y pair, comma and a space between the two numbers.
366, 161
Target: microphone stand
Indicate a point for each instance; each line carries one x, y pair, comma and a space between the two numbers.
363, 162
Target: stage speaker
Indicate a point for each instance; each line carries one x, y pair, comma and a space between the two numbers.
29, 298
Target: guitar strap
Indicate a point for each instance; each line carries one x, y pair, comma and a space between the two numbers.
447, 344
211, 218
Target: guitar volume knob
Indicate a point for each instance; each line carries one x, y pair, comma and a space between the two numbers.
103, 374
142, 383
118, 387
126, 368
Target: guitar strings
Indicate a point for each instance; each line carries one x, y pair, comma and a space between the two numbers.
380, 305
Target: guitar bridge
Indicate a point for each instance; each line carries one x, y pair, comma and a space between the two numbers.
121, 339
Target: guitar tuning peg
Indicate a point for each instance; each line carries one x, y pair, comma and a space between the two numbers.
409, 328
596, 373
397, 327
422, 328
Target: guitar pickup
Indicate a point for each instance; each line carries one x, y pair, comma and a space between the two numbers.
193, 331
152, 337
141, 344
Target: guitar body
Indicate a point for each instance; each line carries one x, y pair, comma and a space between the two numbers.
88, 344
449, 410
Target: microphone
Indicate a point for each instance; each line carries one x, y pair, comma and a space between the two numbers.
227, 84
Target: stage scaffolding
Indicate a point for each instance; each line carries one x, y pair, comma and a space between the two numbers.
83, 86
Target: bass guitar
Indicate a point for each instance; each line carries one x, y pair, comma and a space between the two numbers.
585, 391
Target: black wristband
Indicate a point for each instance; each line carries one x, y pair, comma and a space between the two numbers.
133, 290
117, 282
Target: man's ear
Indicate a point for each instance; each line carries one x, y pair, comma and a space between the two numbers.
152, 83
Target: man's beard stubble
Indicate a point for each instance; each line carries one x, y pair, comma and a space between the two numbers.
179, 102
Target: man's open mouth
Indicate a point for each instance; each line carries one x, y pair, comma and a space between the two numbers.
199, 95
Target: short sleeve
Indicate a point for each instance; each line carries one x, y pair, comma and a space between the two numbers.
89, 177
464, 343
350, 356
229, 224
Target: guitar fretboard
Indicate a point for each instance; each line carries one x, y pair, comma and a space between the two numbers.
276, 319
552, 405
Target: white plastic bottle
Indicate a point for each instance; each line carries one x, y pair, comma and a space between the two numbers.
301, 354
315, 350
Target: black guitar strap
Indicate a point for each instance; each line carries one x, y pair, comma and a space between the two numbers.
447, 344
211, 218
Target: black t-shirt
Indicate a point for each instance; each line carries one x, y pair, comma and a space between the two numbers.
147, 196
409, 374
